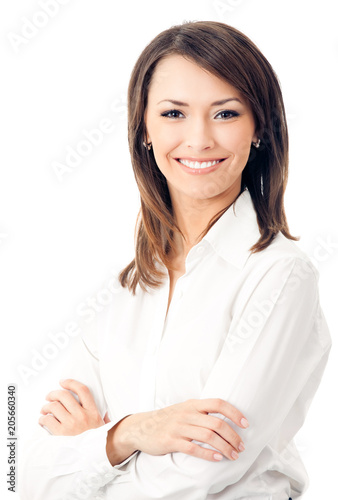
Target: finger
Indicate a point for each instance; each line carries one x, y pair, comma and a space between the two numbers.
195, 450
211, 438
51, 423
106, 419
66, 399
85, 396
57, 409
216, 405
222, 428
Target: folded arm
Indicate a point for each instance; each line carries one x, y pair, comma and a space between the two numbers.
67, 461
269, 368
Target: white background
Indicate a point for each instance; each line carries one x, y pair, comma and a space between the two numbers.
60, 239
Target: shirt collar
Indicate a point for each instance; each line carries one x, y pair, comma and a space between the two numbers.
235, 231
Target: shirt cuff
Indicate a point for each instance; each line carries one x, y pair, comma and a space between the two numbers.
86, 454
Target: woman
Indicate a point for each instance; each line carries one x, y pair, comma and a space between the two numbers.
195, 379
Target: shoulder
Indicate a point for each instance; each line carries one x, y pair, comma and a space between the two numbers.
281, 268
284, 253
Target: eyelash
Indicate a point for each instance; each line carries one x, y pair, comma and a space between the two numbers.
167, 113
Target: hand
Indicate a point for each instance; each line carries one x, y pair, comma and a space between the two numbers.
64, 416
173, 428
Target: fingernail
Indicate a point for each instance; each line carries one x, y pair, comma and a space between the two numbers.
241, 446
244, 422
217, 456
62, 380
234, 455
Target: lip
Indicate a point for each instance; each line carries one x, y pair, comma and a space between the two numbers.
200, 171
191, 158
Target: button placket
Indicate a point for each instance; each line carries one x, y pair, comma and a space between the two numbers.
177, 295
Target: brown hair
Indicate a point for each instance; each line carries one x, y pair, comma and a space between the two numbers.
230, 55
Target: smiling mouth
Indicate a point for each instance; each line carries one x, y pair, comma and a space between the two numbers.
199, 164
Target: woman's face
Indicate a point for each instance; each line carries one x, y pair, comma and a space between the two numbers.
201, 130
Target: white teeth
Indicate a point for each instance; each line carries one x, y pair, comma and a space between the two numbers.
197, 164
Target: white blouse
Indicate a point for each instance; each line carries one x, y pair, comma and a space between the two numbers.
246, 328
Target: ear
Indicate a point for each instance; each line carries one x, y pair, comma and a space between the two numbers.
146, 137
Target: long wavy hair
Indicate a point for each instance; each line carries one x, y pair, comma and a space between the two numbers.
230, 55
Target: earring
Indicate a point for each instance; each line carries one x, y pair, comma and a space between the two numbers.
148, 146
256, 144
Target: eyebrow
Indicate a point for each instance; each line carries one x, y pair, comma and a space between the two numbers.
215, 103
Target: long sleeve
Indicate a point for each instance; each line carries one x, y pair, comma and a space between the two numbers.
69, 467
269, 367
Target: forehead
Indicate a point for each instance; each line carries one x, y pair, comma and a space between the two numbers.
177, 77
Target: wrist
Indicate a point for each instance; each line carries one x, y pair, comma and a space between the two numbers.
120, 442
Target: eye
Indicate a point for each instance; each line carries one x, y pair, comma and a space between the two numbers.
229, 113
173, 113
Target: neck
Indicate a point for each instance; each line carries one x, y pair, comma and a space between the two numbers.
193, 216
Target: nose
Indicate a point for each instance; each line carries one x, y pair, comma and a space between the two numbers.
199, 135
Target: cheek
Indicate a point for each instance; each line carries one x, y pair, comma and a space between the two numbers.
238, 143
242, 150
166, 139
164, 142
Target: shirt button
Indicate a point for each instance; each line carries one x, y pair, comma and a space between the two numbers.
200, 250
179, 294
